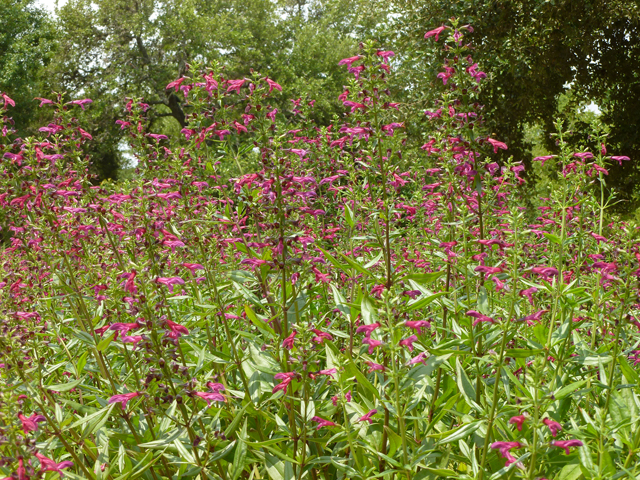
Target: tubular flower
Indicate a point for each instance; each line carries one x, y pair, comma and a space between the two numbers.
286, 378
554, 426
566, 444
367, 416
323, 423
503, 448
496, 145
367, 329
30, 424
435, 32
123, 398
211, 397
48, 465
288, 342
408, 342
518, 421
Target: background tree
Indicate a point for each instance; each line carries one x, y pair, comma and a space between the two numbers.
118, 48
533, 50
27, 43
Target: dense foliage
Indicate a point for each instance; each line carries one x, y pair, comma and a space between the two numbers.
340, 312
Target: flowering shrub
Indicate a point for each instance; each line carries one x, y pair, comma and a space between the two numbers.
339, 313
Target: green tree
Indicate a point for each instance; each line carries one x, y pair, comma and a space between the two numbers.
111, 49
27, 43
533, 50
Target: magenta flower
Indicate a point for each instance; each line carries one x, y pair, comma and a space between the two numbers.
235, 85
30, 424
286, 378
529, 293
367, 416
367, 329
584, 155
385, 54
503, 448
272, 85
124, 328
553, 426
349, 61
322, 422
176, 330
408, 342
48, 465
496, 145
82, 103
288, 342
123, 398
44, 101
216, 387
328, 372
417, 325
211, 397
130, 285
272, 115
170, 282
7, 100
375, 367
479, 317
373, 344
420, 358
435, 32
566, 444
620, 159
321, 336
518, 420
175, 84
193, 267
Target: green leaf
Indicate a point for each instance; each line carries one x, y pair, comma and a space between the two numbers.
566, 390
240, 453
63, 387
458, 433
464, 384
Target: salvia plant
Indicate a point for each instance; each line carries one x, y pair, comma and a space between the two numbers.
343, 311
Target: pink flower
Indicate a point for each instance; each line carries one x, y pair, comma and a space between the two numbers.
323, 423
566, 444
408, 342
321, 336
123, 398
82, 103
349, 61
175, 84
44, 101
372, 344
435, 32
272, 115
273, 85
367, 417
385, 54
48, 465
176, 330
417, 325
479, 317
518, 421
193, 267
529, 293
235, 85
496, 145
420, 358
620, 159
30, 424
286, 378
211, 397
216, 387
375, 367
130, 285
170, 282
328, 372
504, 448
288, 342
367, 329
553, 426
583, 155
8, 101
